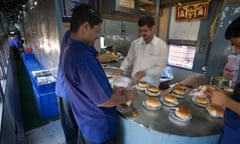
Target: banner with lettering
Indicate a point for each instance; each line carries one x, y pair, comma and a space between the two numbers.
193, 10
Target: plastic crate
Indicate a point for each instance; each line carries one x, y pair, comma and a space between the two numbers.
46, 104
44, 88
28, 55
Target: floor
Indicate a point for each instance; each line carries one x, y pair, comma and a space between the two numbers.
50, 133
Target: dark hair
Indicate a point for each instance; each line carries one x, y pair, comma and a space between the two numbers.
233, 29
84, 13
146, 20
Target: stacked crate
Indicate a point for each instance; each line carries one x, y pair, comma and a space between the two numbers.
43, 83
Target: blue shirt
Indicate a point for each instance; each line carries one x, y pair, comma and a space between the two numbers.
231, 130
88, 86
60, 85
14, 42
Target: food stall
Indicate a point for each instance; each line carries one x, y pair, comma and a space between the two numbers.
143, 125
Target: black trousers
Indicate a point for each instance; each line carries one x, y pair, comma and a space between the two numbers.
69, 125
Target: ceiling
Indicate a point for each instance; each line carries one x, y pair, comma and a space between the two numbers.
11, 8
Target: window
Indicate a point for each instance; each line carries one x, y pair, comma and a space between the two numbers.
181, 55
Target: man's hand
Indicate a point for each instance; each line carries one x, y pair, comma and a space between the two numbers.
130, 94
138, 76
217, 97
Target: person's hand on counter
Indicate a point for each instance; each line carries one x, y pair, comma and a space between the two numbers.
220, 98
217, 97
129, 94
138, 76
121, 95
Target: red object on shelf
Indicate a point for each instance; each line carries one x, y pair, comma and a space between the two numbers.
28, 49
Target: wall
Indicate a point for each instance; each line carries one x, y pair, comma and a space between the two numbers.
164, 23
42, 33
113, 32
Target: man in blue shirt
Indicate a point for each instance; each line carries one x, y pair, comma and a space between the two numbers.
14, 43
231, 130
68, 122
91, 97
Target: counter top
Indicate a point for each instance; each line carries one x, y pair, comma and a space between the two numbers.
201, 124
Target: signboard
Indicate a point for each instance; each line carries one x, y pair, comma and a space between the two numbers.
68, 5
194, 10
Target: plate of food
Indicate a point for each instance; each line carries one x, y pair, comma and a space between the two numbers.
152, 103
152, 91
215, 110
169, 100
182, 114
200, 101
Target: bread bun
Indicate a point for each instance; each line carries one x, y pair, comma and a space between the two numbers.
152, 102
180, 87
202, 100
142, 84
215, 110
178, 91
153, 89
183, 112
170, 99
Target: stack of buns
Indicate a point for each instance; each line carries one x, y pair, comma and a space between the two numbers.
179, 90
183, 112
152, 102
142, 84
215, 110
153, 90
169, 98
